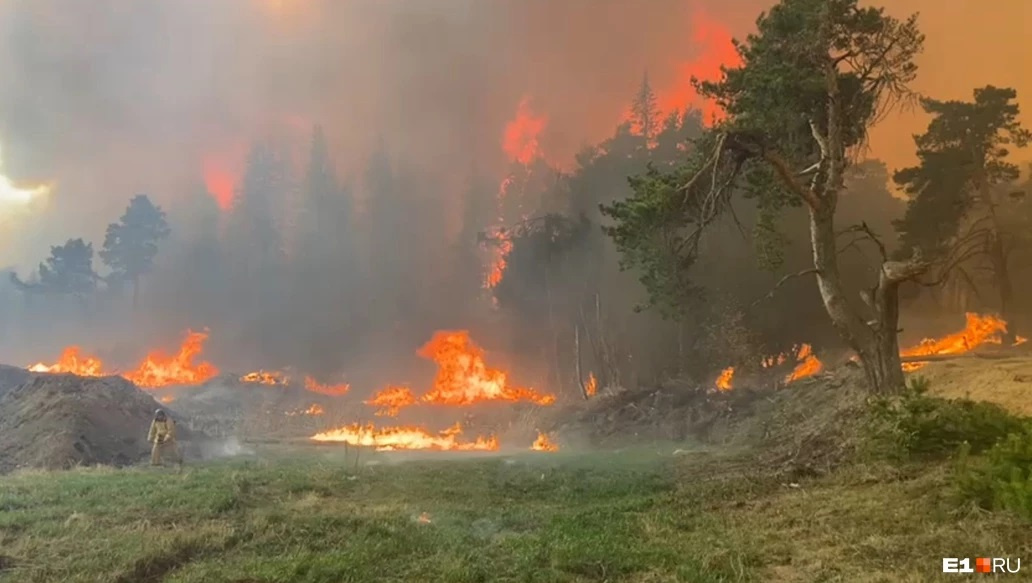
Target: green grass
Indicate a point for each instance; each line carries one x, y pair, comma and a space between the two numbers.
630, 516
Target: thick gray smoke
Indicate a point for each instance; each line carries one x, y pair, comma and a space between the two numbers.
109, 98
112, 97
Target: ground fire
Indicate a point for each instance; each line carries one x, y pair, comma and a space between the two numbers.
391, 400
978, 330
157, 370
406, 438
591, 385
543, 443
263, 377
72, 361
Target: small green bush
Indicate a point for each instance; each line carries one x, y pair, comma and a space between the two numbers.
1002, 479
916, 425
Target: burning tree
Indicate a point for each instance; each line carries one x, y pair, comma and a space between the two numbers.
813, 78
131, 244
954, 214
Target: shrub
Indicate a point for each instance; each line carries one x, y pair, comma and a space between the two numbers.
1002, 479
916, 425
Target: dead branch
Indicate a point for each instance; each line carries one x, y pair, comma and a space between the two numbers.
784, 280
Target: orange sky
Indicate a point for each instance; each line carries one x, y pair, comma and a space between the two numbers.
969, 44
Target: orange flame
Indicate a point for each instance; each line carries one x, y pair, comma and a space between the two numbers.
331, 390
978, 330
161, 370
500, 255
314, 409
167, 399
391, 400
72, 361
543, 443
220, 182
520, 139
723, 381
808, 365
464, 379
406, 438
265, 377
591, 386
716, 50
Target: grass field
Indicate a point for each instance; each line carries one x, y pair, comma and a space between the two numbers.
637, 515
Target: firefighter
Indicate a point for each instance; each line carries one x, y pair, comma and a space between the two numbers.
163, 435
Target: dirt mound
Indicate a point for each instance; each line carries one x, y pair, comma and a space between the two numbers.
805, 428
62, 420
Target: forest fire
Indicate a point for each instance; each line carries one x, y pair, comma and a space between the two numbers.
808, 364
391, 400
162, 370
716, 50
978, 330
157, 369
72, 361
265, 377
520, 139
329, 390
406, 438
543, 443
723, 381
314, 409
591, 386
463, 378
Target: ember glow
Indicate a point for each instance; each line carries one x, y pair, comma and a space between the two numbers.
265, 377
520, 139
463, 378
543, 443
716, 50
978, 330
330, 390
591, 386
314, 409
391, 400
406, 438
161, 370
808, 365
723, 381
72, 361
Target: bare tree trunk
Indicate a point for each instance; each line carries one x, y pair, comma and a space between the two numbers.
875, 341
577, 362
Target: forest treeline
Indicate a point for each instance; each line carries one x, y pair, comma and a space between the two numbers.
668, 249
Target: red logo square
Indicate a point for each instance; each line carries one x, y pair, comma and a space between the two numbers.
983, 565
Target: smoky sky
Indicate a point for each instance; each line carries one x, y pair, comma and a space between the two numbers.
109, 98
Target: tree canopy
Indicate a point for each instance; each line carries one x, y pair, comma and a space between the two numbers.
131, 244
813, 78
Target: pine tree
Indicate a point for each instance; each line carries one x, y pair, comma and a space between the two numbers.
131, 244
645, 114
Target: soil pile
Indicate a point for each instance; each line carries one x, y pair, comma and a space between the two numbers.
805, 428
58, 421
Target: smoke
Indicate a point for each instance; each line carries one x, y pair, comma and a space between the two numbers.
109, 98
106, 99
